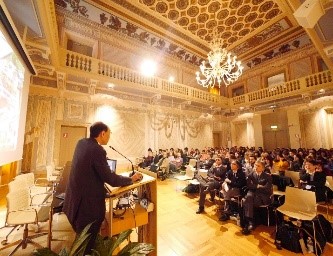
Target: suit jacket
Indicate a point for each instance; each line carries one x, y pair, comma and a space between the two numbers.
265, 180
318, 184
237, 181
217, 171
85, 192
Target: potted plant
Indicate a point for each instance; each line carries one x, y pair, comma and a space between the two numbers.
104, 246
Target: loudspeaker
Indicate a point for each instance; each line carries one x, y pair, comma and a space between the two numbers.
308, 14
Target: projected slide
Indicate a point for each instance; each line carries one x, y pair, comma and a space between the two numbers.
11, 82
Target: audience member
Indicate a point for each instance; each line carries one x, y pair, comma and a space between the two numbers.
259, 193
215, 177
231, 187
248, 167
314, 179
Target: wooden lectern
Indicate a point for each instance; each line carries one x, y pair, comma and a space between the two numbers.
137, 217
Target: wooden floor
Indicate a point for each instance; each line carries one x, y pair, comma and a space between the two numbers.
181, 232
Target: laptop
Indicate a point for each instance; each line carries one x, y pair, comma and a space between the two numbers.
113, 164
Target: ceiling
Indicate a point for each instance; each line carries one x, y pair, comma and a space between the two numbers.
255, 30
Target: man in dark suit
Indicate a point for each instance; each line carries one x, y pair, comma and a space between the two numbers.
215, 177
231, 187
260, 189
85, 193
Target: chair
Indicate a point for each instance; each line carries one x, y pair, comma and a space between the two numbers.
36, 186
53, 179
301, 205
19, 212
294, 177
189, 175
267, 207
38, 194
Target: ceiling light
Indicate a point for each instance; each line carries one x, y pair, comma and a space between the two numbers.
221, 66
171, 79
148, 68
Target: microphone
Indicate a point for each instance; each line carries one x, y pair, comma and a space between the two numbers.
126, 159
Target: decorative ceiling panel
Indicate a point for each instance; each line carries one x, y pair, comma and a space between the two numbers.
233, 18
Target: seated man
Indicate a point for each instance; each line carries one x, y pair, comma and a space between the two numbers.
231, 186
260, 188
314, 179
215, 177
163, 166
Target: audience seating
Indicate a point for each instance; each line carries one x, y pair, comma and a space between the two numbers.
299, 204
294, 177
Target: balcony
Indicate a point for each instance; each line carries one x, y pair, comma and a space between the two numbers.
131, 82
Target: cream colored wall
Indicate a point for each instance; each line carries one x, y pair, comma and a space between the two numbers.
133, 129
294, 128
316, 124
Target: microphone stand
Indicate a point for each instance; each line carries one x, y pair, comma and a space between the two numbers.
126, 159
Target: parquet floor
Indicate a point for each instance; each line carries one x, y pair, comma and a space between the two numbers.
181, 232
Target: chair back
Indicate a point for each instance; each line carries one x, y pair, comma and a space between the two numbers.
193, 162
329, 182
299, 204
28, 178
294, 176
189, 171
18, 199
17, 184
49, 171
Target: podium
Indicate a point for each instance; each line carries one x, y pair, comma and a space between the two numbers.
137, 217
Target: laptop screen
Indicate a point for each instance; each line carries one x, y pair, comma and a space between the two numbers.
113, 164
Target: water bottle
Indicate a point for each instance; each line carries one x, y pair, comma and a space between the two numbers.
309, 244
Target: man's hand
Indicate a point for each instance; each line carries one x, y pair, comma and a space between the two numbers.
227, 180
137, 177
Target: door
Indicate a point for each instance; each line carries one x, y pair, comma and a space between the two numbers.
216, 139
276, 139
69, 137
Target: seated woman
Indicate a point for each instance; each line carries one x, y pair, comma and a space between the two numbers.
231, 187
314, 179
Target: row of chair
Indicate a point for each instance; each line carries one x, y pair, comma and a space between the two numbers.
28, 202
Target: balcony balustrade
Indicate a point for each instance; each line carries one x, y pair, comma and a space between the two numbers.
128, 77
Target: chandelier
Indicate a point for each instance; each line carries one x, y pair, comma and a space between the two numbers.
221, 66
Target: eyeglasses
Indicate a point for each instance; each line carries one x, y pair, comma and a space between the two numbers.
217, 159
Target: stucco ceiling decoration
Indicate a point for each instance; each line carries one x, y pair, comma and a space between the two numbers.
234, 19
254, 30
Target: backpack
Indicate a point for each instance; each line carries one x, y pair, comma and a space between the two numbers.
288, 236
191, 188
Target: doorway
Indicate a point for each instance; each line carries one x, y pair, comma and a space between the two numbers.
276, 139
216, 139
69, 137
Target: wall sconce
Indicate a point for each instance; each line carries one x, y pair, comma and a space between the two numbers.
274, 127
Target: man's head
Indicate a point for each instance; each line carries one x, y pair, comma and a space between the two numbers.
259, 166
100, 132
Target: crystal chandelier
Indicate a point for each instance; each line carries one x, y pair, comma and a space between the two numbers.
221, 65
